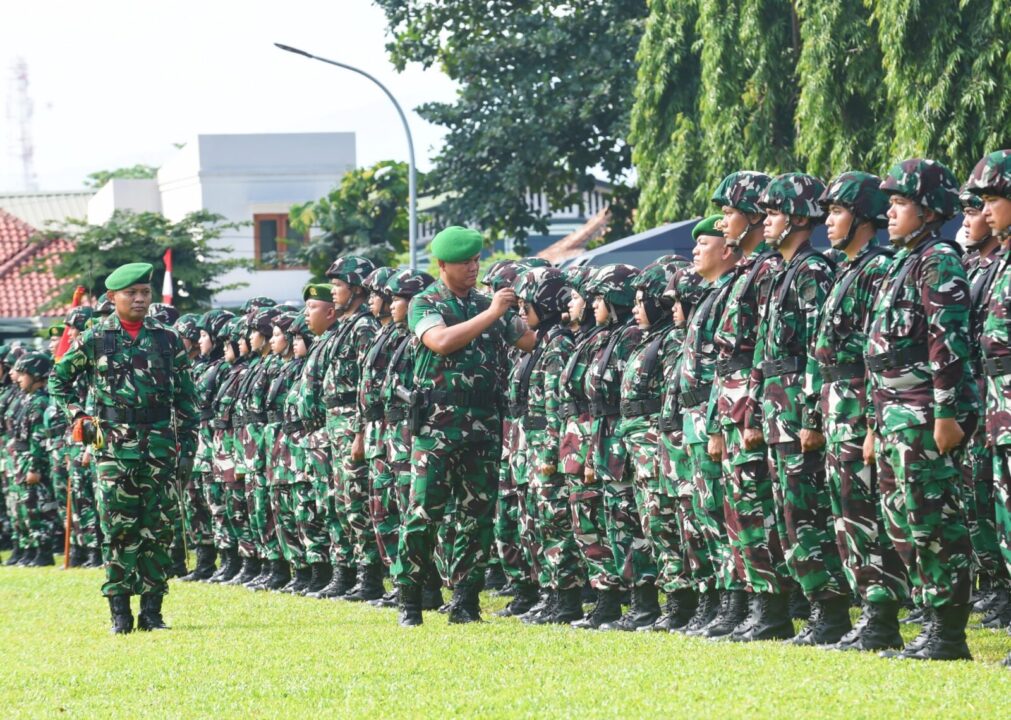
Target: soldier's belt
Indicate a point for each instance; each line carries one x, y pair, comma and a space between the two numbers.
396, 413
599, 408
671, 424
462, 398
293, 426
517, 410
1001, 365
894, 359
373, 412
341, 399
535, 422
256, 417
638, 408
730, 365
134, 416
783, 366
696, 396
573, 408
843, 371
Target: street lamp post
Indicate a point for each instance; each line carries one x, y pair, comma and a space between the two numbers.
412, 196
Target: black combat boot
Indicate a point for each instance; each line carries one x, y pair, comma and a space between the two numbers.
568, 609
733, 614
983, 594
43, 555
946, 640
542, 609
705, 612
998, 614
250, 569
280, 575
800, 608
28, 557
773, 621
15, 557
370, 584
544, 600
322, 574
410, 606
466, 605
644, 610
206, 555
431, 591
677, 611
299, 581
877, 630
266, 570
150, 613
388, 600
494, 578
77, 556
524, 599
229, 568
917, 643
342, 581
94, 558
742, 631
606, 610
178, 567
916, 616
721, 604
122, 617
803, 637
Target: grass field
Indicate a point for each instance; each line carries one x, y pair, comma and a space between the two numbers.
234, 653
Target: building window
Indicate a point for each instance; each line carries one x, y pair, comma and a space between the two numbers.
276, 245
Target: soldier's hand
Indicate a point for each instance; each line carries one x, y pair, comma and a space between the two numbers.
948, 434
717, 447
502, 300
811, 440
588, 473
84, 430
33, 478
548, 470
86, 458
358, 448
753, 437
869, 447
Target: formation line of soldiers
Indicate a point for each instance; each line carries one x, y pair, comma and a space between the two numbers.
762, 433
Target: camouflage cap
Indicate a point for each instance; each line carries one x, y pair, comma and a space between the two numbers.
992, 175
925, 182
188, 326
34, 363
794, 193
163, 313
741, 190
686, 287
376, 280
544, 288
352, 269
408, 283
861, 194
79, 318
615, 283
256, 303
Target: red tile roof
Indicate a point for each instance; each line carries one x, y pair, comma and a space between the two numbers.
22, 294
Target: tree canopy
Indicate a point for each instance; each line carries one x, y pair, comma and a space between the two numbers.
99, 178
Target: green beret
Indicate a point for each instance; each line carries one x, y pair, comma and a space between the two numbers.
707, 227
318, 291
130, 274
456, 244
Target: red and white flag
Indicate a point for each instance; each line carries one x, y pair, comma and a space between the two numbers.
166, 287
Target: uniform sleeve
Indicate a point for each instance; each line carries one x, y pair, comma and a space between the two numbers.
753, 411
812, 294
553, 367
184, 400
944, 293
362, 339
422, 316
37, 455
63, 379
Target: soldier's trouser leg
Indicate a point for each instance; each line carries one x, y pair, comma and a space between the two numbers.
716, 559
980, 502
923, 515
680, 537
353, 503
310, 515
530, 536
238, 517
804, 520
174, 511
214, 494
445, 540
872, 566
513, 553
632, 553
43, 515
137, 529
198, 514
1002, 506
25, 503
320, 472
561, 560
58, 493
386, 509
751, 498
284, 498
641, 446
442, 467
269, 545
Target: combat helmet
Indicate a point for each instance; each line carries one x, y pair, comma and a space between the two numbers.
992, 176
686, 286
352, 269
793, 194
408, 283
80, 317
615, 283
164, 313
860, 193
545, 289
741, 190
34, 363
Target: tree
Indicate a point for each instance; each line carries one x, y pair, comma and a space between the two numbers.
366, 214
99, 178
543, 103
197, 260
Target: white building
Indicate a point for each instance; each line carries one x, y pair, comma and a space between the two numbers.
252, 179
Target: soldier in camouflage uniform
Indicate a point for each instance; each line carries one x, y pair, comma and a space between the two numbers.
750, 508
613, 294
982, 260
12, 404
7, 389
144, 414
991, 180
855, 208
201, 491
925, 401
456, 450
776, 404
353, 540
714, 564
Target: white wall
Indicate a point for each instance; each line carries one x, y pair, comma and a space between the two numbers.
123, 194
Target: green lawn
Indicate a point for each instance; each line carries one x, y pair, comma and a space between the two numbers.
234, 653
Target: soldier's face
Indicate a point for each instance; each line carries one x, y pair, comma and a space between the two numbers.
838, 223
229, 353
243, 346
24, 381
530, 315
377, 305
298, 348
398, 309
278, 341
734, 223
639, 311
775, 224
460, 275
997, 212
342, 292
709, 255
577, 306
53, 343
600, 312
679, 315
975, 226
132, 303
319, 315
904, 216
257, 341
206, 344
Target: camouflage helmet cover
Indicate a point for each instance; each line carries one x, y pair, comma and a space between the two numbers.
34, 363
654, 278
925, 182
741, 190
376, 280
861, 193
188, 326
163, 313
408, 283
79, 318
616, 283
794, 193
686, 287
992, 175
969, 199
352, 269
578, 276
256, 303
544, 288
215, 323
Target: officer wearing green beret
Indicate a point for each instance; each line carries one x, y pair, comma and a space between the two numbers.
456, 451
144, 416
